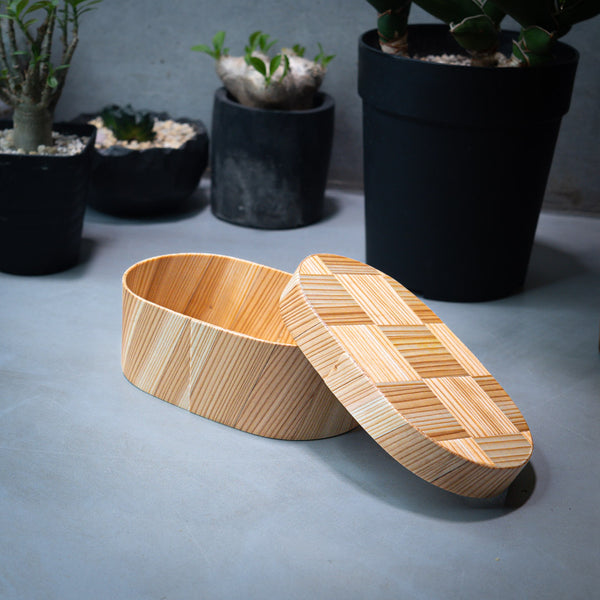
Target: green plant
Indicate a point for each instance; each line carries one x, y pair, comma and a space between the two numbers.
392, 23
128, 124
256, 54
274, 71
259, 42
30, 82
475, 25
217, 51
322, 58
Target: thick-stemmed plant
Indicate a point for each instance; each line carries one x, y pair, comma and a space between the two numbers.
31, 80
475, 25
285, 81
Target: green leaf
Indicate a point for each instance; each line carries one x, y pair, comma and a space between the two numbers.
253, 39
264, 44
204, 48
286, 66
217, 50
20, 6
218, 41
269, 46
299, 50
321, 58
258, 64
536, 37
274, 65
476, 34
52, 82
534, 46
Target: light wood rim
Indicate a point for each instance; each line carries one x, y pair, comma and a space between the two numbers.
132, 268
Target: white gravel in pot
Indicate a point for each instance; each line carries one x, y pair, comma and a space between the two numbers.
64, 145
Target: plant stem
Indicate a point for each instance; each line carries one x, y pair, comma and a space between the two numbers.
5, 97
32, 126
392, 22
13, 75
484, 59
12, 45
46, 43
51, 96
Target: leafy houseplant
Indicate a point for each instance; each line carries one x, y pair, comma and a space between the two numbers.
145, 163
272, 133
43, 195
457, 157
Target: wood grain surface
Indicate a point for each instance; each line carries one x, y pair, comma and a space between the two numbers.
405, 377
204, 332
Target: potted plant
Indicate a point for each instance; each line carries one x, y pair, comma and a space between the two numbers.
145, 163
44, 168
271, 136
457, 157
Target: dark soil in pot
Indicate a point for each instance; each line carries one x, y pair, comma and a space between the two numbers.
42, 205
129, 182
456, 163
269, 167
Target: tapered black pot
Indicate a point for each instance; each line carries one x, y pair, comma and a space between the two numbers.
141, 183
269, 167
456, 162
42, 205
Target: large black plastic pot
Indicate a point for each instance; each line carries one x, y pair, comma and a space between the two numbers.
141, 183
456, 163
269, 167
42, 205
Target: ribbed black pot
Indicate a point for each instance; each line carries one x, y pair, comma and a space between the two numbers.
269, 167
142, 183
42, 205
456, 163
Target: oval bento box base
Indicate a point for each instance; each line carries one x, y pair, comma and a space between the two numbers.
204, 332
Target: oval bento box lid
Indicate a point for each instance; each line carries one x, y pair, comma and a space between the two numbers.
405, 377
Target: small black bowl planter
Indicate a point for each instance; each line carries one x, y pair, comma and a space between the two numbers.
144, 183
42, 205
456, 163
269, 167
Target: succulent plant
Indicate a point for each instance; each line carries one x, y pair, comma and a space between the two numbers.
128, 124
29, 81
475, 25
286, 81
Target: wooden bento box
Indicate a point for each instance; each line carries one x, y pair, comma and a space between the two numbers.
204, 332
313, 354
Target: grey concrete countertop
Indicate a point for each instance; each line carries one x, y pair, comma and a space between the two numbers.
109, 493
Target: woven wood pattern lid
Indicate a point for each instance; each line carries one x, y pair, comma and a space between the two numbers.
405, 377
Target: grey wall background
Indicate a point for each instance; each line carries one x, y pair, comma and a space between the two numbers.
138, 51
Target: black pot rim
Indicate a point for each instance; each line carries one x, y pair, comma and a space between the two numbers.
465, 95
323, 103
368, 41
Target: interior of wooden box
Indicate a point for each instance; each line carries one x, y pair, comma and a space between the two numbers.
233, 294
